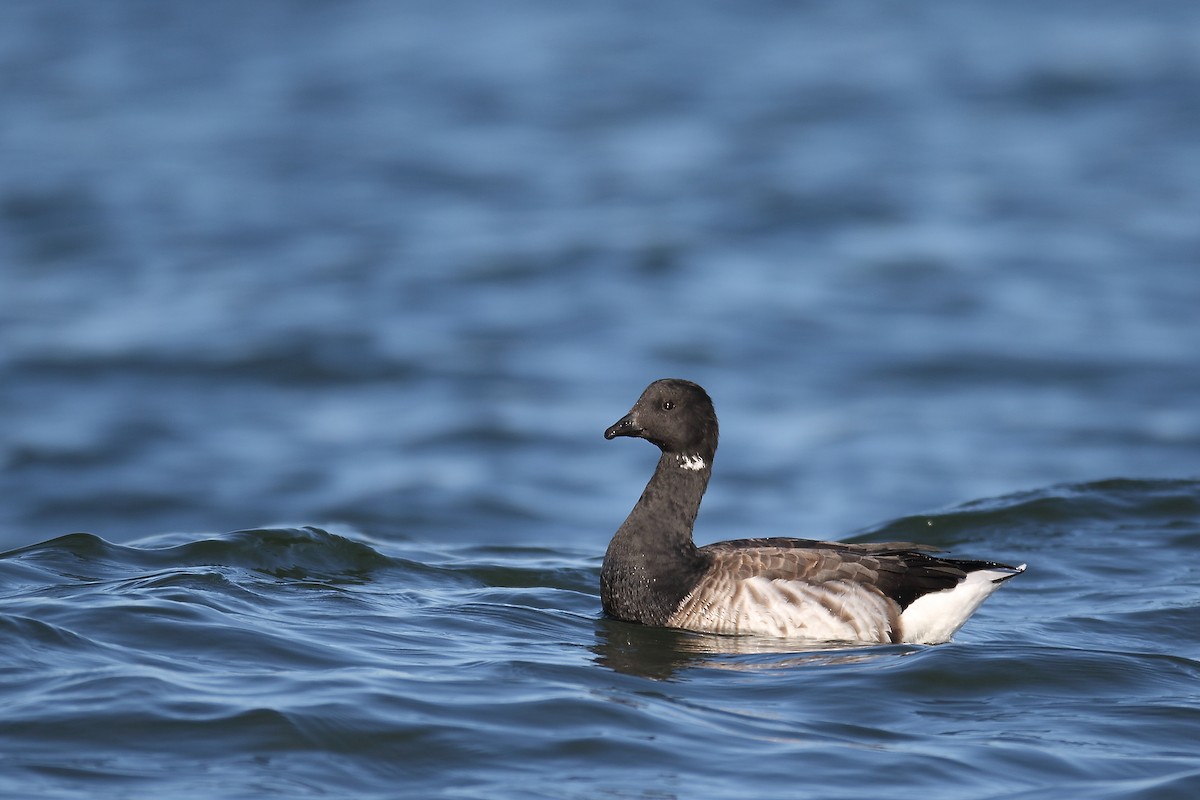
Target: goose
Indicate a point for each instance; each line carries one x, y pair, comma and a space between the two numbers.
654, 574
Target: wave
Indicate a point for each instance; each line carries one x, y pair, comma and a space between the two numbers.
302, 644
1022, 514
305, 552
247, 576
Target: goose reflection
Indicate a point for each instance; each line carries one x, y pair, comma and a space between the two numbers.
661, 653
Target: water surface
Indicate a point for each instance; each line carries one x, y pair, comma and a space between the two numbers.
305, 663
363, 284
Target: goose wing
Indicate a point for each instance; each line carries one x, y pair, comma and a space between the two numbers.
901, 571
811, 589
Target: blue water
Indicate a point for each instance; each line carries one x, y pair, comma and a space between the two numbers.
305, 663
312, 316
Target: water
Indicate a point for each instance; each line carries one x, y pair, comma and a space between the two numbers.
365, 282
303, 663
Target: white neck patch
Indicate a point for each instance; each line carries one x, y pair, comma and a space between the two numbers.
694, 463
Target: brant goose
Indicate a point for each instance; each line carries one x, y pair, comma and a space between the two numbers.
654, 574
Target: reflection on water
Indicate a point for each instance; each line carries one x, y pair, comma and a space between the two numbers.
661, 653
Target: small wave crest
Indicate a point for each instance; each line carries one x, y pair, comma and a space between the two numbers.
1017, 516
300, 553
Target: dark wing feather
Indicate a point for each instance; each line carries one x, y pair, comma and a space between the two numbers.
852, 547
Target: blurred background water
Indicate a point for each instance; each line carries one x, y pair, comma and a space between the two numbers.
391, 269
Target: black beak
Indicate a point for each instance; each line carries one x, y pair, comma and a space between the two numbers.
625, 426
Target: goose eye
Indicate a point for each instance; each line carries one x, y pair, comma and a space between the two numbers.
667, 405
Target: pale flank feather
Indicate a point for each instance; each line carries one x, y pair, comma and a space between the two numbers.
832, 611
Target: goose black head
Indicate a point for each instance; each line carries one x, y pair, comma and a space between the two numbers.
676, 415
